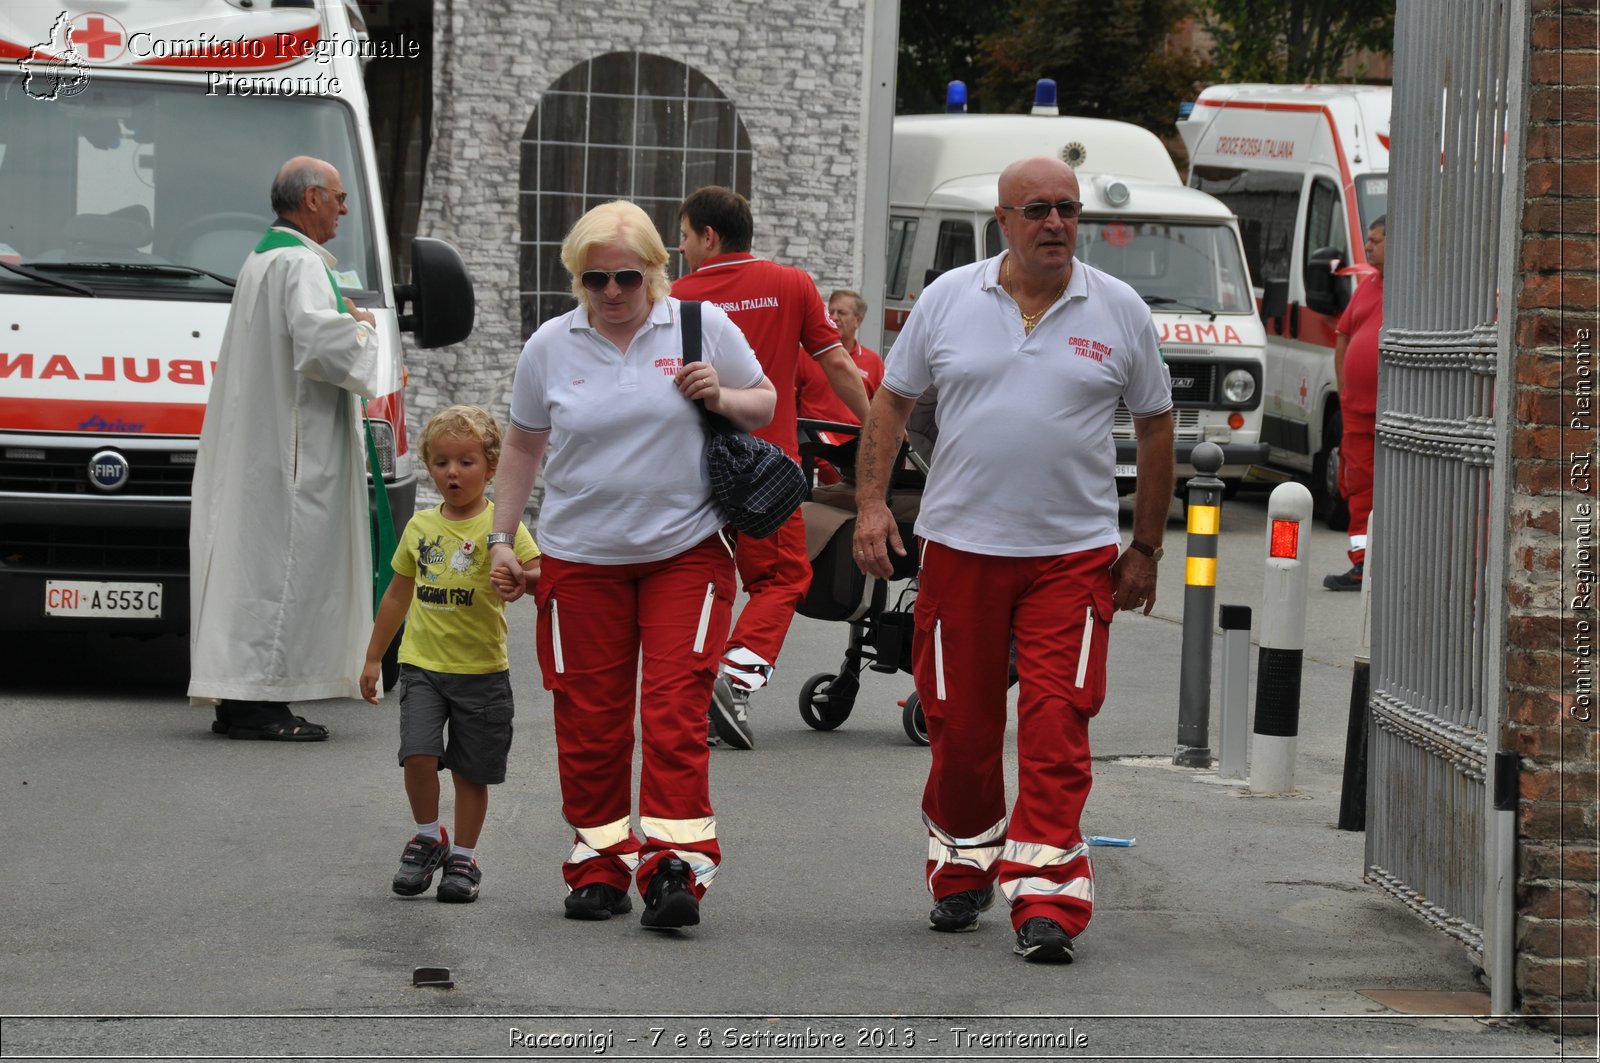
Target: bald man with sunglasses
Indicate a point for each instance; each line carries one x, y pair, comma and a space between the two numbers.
1031, 352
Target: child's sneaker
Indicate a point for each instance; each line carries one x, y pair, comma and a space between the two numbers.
421, 858
460, 882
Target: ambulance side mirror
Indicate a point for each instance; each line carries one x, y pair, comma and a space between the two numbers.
1274, 299
440, 293
1326, 291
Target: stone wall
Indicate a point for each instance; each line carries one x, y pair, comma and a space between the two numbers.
793, 69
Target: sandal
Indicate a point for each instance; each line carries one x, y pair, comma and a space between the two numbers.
291, 729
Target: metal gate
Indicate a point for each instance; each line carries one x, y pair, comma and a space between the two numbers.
1439, 499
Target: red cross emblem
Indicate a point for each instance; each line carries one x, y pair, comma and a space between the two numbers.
1304, 390
96, 33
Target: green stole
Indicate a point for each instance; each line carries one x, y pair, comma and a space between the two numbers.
380, 530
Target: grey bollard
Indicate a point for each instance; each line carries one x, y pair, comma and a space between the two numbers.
1199, 595
1283, 640
1233, 724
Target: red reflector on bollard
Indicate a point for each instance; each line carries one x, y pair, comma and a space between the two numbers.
1285, 539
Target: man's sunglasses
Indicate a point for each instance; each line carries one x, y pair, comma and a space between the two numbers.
1067, 208
627, 279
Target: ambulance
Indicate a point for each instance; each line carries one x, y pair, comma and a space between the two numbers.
1306, 169
1179, 248
137, 146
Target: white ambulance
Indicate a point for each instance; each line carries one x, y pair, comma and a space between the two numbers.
1306, 169
138, 141
1178, 248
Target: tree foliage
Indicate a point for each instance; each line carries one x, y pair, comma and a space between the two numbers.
1109, 58
938, 45
1293, 41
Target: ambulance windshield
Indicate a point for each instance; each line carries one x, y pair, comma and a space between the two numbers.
129, 175
1174, 265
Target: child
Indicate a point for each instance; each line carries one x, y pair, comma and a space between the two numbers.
453, 660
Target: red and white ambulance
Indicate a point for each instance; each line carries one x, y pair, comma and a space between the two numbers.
1178, 248
137, 144
1306, 169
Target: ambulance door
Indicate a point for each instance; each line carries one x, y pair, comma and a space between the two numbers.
1304, 381
897, 290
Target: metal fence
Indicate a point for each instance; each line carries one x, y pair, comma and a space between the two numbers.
1438, 528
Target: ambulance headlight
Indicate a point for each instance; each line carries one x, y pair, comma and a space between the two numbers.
1239, 386
383, 440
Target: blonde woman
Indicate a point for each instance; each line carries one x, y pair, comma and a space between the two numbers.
634, 562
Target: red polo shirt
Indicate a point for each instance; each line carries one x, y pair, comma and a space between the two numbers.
1362, 321
780, 311
818, 400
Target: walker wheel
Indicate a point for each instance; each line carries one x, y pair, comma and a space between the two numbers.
826, 700
912, 719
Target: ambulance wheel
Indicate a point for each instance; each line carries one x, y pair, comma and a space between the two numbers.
826, 700
913, 721
1326, 501
391, 663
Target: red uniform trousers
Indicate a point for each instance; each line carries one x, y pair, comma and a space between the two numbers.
1355, 476
969, 606
776, 574
594, 620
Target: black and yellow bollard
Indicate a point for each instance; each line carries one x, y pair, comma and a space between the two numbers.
1199, 605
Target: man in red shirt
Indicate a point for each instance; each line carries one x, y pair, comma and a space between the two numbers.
815, 394
782, 314
1355, 364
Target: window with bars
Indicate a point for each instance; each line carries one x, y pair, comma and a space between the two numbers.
625, 125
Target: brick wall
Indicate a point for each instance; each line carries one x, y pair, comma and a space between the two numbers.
1553, 636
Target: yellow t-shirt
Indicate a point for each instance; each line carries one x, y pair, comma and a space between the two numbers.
457, 623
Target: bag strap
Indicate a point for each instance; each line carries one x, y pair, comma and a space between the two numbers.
692, 351
690, 309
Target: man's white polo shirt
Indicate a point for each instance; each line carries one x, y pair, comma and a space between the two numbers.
1026, 460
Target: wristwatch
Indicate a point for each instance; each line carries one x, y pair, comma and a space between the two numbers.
497, 538
1154, 553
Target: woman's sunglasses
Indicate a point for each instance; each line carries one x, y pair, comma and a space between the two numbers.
596, 279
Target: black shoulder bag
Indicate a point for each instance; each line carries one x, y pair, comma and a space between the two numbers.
755, 484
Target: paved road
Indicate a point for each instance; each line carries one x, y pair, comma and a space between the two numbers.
158, 871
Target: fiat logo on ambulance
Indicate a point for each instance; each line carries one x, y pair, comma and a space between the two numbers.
109, 470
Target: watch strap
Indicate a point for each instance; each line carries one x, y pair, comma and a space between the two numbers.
1145, 548
497, 538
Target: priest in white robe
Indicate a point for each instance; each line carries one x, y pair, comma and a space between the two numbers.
280, 554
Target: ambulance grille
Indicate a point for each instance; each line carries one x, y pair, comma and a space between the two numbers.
1185, 424
64, 470
87, 551
1193, 381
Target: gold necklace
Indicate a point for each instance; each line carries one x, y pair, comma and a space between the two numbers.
1030, 320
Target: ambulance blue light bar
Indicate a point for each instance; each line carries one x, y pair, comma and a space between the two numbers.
1044, 97
955, 98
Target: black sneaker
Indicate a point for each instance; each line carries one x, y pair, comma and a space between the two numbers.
421, 858
460, 882
670, 902
1042, 940
597, 901
730, 713
958, 913
1346, 581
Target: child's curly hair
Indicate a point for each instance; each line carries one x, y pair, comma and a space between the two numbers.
465, 422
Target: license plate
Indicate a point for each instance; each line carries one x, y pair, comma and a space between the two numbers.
135, 601
1129, 471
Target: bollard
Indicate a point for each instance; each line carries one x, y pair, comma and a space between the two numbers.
1353, 796
1500, 944
1233, 723
1199, 594
1283, 640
